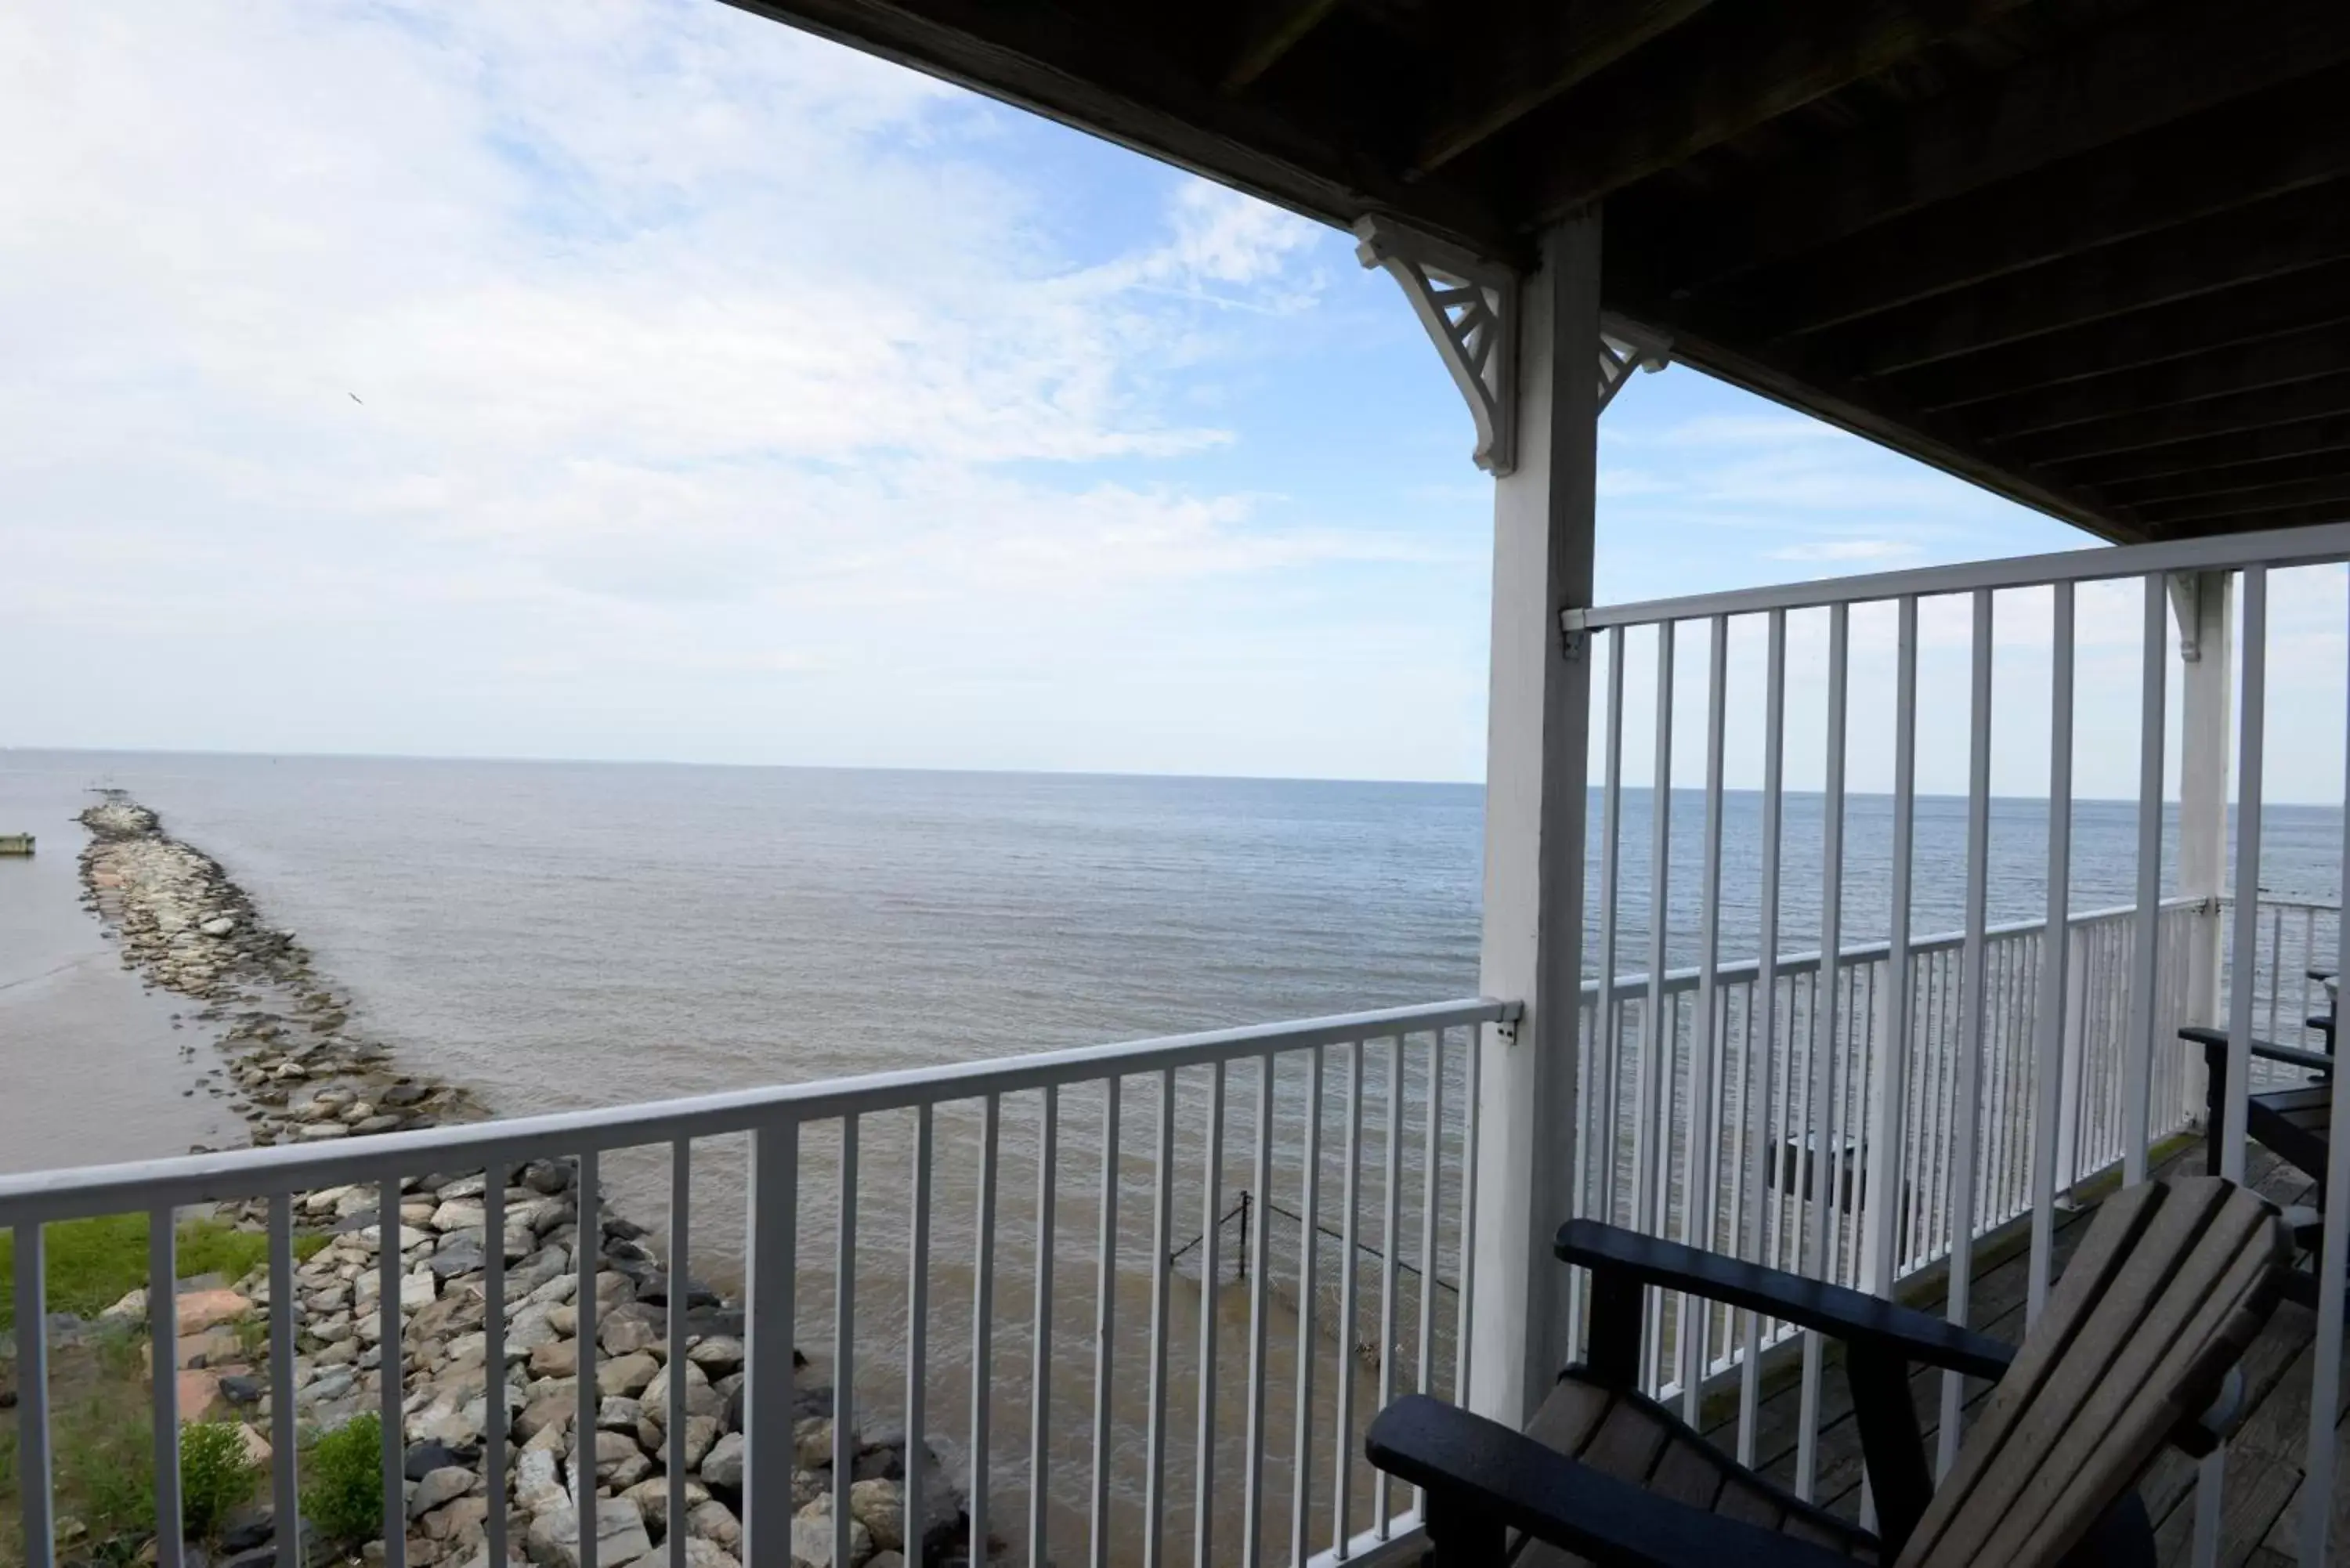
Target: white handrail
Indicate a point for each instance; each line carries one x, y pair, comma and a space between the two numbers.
76, 1193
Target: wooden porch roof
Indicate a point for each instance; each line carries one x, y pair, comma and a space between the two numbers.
2093, 254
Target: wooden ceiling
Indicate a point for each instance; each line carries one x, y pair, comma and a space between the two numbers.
2094, 254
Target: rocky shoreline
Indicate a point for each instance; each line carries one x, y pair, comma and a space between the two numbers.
300, 1074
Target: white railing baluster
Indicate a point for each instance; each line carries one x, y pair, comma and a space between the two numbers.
1701, 1157
1259, 1262
1040, 1366
587, 1255
1349, 1253
1766, 990
495, 1427
1431, 1132
2138, 1051
675, 1417
1211, 1203
2050, 1035
768, 1415
1823, 1165
163, 1346
1471, 1117
1885, 1201
2316, 1501
1300, 1501
1656, 1053
33, 1478
1162, 1245
1973, 1035
2276, 961
917, 1334
1105, 1328
284, 1497
388, 1382
1390, 1249
844, 1345
983, 1324
1607, 1032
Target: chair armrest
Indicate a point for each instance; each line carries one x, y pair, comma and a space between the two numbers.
1482, 1477
1847, 1315
2269, 1050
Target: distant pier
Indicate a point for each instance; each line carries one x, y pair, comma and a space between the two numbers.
16, 844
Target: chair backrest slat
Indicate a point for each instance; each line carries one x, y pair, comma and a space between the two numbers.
2171, 1284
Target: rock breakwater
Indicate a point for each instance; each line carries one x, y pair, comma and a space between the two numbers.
300, 1073
297, 1072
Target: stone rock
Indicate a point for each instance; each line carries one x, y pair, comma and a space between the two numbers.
620, 1463
199, 1390
700, 1434
565, 1318
628, 1374
131, 1309
200, 1310
547, 1175
723, 1464
812, 1540
463, 1256
243, 1390
651, 1497
714, 1521
701, 1398
441, 1486
454, 1214
463, 1521
701, 1553
620, 1535
885, 1560
529, 1329
557, 1358
811, 1440
880, 1507
717, 1355
423, 1459
538, 1482
626, 1335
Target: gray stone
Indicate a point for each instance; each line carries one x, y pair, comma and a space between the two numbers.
538, 1480
627, 1374
812, 1539
717, 1355
620, 1535
723, 1464
714, 1521
880, 1507
626, 1335
445, 1485
701, 1398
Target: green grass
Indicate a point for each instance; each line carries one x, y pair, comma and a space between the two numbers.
93, 1263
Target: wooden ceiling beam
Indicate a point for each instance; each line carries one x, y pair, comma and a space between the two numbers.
2250, 503
2250, 410
2307, 517
1276, 29
2228, 250
2231, 478
2295, 139
1732, 69
2311, 300
2249, 367
2137, 74
1488, 88
2190, 460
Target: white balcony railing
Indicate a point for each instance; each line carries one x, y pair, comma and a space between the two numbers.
1234, 1441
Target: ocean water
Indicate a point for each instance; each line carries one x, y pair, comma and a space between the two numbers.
561, 936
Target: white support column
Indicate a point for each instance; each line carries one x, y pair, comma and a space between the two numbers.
1535, 799
2204, 604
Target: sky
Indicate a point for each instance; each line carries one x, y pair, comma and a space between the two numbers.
644, 380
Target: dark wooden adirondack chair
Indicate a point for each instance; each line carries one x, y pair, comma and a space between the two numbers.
2139, 1340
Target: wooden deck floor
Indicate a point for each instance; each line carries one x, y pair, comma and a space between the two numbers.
2260, 1518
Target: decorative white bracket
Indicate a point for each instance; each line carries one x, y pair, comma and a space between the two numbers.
1470, 308
1625, 347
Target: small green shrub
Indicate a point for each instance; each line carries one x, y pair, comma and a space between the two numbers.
342, 1481
106, 1465
216, 1474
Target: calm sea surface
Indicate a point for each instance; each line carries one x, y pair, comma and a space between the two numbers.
574, 935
